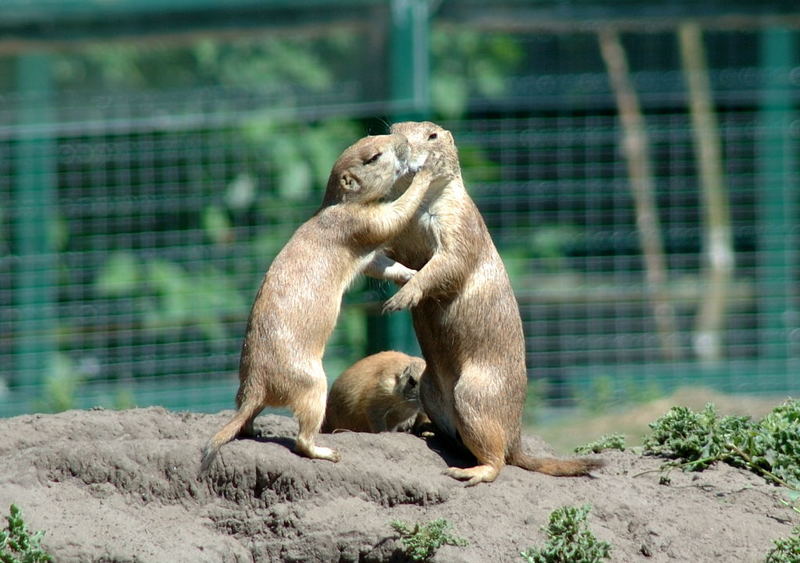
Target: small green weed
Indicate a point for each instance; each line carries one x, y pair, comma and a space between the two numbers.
607, 442
786, 550
422, 541
569, 539
769, 447
17, 544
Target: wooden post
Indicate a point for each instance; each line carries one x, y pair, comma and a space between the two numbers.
718, 243
636, 148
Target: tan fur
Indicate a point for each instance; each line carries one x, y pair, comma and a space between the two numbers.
467, 321
378, 393
298, 303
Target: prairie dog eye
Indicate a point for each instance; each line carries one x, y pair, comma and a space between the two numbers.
432, 136
373, 158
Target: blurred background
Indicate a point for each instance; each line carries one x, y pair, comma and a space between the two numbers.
636, 163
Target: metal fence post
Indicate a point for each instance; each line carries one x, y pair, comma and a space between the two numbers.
409, 63
776, 162
33, 210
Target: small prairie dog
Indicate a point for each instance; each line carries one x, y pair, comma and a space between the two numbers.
378, 393
297, 305
467, 321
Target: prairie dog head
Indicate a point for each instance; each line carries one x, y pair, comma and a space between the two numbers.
407, 381
430, 145
367, 169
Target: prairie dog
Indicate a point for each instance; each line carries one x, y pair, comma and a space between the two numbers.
297, 305
467, 322
378, 393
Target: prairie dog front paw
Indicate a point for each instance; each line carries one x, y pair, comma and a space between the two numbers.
409, 296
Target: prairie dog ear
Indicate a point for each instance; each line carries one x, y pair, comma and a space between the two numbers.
408, 374
349, 183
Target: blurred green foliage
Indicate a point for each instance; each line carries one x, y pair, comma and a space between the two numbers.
605, 393
171, 297
271, 64
60, 385
267, 176
468, 63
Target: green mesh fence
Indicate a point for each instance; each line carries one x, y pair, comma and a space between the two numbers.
145, 186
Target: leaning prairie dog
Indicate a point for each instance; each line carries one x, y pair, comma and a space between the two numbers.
378, 393
298, 303
467, 322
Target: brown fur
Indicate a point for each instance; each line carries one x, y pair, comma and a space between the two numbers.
467, 322
298, 303
378, 393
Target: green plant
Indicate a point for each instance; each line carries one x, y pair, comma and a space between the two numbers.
606, 442
468, 63
17, 544
60, 385
786, 550
769, 447
422, 541
569, 539
169, 297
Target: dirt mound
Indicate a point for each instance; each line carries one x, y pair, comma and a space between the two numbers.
124, 486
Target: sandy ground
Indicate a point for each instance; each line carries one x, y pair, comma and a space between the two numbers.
124, 486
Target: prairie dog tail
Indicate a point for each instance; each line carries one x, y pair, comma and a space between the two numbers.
228, 432
556, 467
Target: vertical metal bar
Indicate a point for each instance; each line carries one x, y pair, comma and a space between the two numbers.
33, 213
410, 59
777, 198
409, 64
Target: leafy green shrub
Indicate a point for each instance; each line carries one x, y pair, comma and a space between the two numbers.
569, 539
421, 542
769, 447
786, 550
17, 544
607, 442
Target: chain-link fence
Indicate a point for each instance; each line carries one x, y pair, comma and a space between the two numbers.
642, 191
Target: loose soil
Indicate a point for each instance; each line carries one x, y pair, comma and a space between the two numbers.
124, 486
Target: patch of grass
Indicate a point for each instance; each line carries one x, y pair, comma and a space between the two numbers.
569, 539
606, 442
786, 550
769, 447
422, 541
17, 544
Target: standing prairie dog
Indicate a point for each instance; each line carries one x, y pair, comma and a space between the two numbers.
467, 322
378, 393
298, 303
